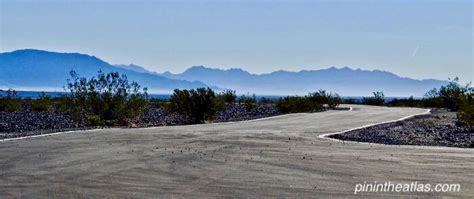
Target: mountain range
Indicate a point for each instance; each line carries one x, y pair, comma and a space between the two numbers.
42, 70
345, 81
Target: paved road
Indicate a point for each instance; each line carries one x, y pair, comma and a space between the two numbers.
276, 157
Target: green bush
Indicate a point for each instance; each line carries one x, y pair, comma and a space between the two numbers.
42, 103
110, 97
323, 97
248, 102
378, 99
449, 96
297, 104
334, 100
320, 97
9, 102
199, 104
228, 96
95, 120
465, 112
408, 102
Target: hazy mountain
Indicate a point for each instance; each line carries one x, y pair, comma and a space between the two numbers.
345, 81
134, 67
43, 70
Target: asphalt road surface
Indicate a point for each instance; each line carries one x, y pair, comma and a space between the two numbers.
274, 157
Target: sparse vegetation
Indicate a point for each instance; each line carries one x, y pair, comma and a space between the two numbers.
228, 96
406, 102
8, 102
297, 104
42, 103
378, 99
198, 104
248, 102
323, 97
108, 99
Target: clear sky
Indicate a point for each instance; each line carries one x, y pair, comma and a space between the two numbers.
420, 39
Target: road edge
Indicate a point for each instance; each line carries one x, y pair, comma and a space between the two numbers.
428, 111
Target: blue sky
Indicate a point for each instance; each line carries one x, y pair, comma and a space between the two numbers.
419, 39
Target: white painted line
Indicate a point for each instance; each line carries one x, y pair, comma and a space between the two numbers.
47, 134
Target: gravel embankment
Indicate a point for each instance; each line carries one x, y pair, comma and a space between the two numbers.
160, 117
238, 112
440, 128
26, 123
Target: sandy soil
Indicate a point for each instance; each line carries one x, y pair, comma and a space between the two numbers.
276, 157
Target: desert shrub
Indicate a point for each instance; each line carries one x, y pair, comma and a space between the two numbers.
42, 103
108, 99
9, 102
334, 100
320, 97
449, 96
432, 99
378, 99
63, 103
249, 102
465, 112
323, 97
95, 120
224, 98
408, 102
297, 104
199, 104
228, 96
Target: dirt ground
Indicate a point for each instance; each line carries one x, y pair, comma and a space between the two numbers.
274, 157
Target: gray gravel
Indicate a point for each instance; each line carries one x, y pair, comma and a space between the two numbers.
25, 123
439, 128
239, 112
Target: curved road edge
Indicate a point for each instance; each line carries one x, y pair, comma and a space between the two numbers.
326, 135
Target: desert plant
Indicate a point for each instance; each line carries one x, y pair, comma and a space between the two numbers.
248, 102
42, 103
449, 96
465, 112
323, 97
228, 96
199, 104
378, 99
320, 97
334, 100
297, 104
407, 102
109, 98
10, 102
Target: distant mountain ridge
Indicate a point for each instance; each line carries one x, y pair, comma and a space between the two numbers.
42, 70
37, 69
345, 81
